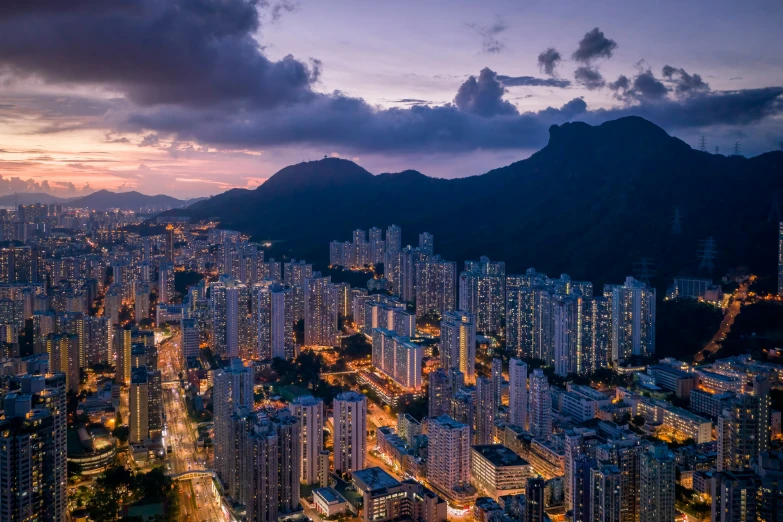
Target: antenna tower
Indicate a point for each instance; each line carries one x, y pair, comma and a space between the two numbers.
703, 144
644, 270
707, 254
677, 222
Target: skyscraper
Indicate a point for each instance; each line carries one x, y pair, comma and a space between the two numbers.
735, 496
517, 393
657, 480
233, 388
27, 454
310, 412
482, 293
566, 313
440, 393
744, 428
458, 343
138, 405
270, 451
605, 494
189, 342
534, 499
397, 357
497, 381
426, 243
435, 286
350, 432
633, 320
448, 462
485, 411
540, 406
272, 321
320, 312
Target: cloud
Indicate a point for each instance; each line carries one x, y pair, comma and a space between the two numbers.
490, 41
683, 82
483, 95
150, 140
548, 60
532, 81
594, 45
589, 77
644, 87
277, 9
187, 52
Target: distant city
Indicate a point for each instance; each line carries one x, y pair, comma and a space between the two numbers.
158, 367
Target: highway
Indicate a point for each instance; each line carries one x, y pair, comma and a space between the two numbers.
198, 503
728, 320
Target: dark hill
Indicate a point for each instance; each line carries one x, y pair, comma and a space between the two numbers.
590, 203
104, 200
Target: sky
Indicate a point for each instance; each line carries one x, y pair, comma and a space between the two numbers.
194, 97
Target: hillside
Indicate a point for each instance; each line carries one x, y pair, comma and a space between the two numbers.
589, 204
29, 198
104, 200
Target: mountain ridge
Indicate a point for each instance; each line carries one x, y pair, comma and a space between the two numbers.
590, 203
99, 200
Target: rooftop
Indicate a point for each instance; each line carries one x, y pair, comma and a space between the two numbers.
371, 479
330, 495
499, 455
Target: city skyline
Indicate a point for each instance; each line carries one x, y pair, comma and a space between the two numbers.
488, 66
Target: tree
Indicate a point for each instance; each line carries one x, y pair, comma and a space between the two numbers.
121, 433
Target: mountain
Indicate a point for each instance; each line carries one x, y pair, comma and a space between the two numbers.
104, 200
29, 198
591, 203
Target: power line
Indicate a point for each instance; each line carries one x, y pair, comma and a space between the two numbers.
703, 144
708, 253
737, 151
644, 270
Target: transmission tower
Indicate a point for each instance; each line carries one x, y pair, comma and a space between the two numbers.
677, 222
737, 151
707, 254
774, 208
717, 149
644, 270
703, 144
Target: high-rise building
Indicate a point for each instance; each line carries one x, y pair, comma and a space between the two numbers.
485, 411
350, 432
566, 315
540, 419
633, 320
50, 392
27, 453
63, 350
138, 405
272, 321
448, 462
271, 460
320, 312
482, 293
534, 499
155, 401
397, 357
735, 496
780, 259
605, 494
122, 352
435, 286
517, 393
744, 428
458, 343
657, 481
189, 342
142, 302
440, 393
497, 381
426, 243
233, 388
770, 498
166, 283
310, 412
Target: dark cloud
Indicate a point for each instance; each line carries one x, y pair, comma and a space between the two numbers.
589, 77
410, 101
490, 41
277, 9
150, 140
483, 96
644, 87
532, 81
594, 45
622, 83
548, 60
185, 52
683, 82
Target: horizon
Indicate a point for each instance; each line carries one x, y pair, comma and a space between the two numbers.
461, 91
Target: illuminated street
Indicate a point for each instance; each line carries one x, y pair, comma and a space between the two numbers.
198, 503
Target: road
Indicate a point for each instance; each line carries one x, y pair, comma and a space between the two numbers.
197, 501
725, 326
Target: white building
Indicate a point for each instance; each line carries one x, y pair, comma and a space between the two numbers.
310, 412
540, 406
458, 343
350, 432
517, 393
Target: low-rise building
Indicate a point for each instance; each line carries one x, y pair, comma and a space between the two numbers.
497, 471
385, 498
328, 502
